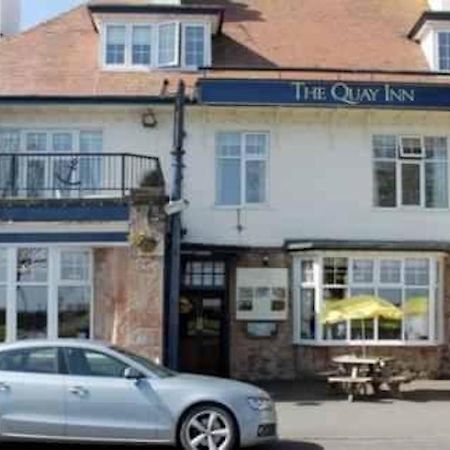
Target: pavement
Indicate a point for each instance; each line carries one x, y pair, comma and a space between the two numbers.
312, 419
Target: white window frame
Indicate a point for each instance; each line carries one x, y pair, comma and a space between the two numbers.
243, 159
53, 282
206, 47
399, 162
179, 61
436, 309
49, 132
436, 49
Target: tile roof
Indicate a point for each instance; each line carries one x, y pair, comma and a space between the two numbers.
60, 57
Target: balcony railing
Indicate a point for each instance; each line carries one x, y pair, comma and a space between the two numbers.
75, 175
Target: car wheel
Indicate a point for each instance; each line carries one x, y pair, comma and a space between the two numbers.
208, 428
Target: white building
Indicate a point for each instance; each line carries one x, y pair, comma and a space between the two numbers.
316, 170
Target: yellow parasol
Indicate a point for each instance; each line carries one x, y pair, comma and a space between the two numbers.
361, 307
416, 306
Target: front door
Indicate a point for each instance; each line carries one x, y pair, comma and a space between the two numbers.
201, 334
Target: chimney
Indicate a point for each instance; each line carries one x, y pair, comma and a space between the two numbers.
9, 17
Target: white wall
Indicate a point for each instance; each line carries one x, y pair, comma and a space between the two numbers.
320, 169
439, 5
9, 17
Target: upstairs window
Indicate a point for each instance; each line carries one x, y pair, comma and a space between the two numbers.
142, 45
115, 45
157, 45
241, 168
410, 171
443, 39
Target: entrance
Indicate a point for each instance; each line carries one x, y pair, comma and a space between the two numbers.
201, 332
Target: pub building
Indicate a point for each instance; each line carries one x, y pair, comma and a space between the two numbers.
307, 161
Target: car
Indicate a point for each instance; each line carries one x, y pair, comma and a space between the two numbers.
85, 391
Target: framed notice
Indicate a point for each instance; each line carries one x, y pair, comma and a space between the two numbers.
262, 294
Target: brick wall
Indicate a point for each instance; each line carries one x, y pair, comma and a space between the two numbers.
128, 282
266, 358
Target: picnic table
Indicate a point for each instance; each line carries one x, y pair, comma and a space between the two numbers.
358, 375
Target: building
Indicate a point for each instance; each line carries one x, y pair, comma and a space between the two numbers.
9, 17
316, 168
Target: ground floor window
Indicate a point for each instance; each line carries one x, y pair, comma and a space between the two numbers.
411, 283
45, 292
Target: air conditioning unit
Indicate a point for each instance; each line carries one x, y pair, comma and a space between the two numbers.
411, 147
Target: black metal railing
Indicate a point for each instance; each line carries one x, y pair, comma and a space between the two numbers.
75, 175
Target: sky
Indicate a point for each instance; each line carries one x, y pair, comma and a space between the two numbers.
36, 11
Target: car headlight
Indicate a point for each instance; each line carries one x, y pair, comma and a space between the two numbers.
260, 403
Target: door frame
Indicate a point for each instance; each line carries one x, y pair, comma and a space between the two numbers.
214, 292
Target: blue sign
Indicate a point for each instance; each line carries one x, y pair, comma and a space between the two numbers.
323, 93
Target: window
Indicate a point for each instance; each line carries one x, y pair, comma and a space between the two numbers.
194, 45
93, 364
443, 51
158, 45
204, 274
419, 178
32, 293
45, 292
9, 144
74, 294
168, 44
411, 284
142, 45
35, 360
241, 168
115, 44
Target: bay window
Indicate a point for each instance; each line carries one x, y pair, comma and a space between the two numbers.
45, 292
410, 171
241, 161
411, 283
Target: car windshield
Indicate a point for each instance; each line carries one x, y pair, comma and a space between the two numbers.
159, 371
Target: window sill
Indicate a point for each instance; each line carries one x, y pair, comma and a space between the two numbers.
304, 343
147, 69
410, 209
262, 206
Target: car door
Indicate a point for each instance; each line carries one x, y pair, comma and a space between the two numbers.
31, 393
103, 405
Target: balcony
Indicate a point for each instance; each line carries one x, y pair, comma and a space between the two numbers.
76, 176
90, 186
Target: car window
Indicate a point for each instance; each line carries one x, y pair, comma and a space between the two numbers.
94, 364
35, 360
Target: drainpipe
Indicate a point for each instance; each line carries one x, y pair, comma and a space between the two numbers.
175, 231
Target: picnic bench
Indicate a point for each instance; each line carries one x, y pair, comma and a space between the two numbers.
359, 376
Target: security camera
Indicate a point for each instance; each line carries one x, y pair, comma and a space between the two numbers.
175, 207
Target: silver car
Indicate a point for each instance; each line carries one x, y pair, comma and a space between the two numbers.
83, 391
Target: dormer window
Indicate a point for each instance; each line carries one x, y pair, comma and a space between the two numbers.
157, 45
443, 43
432, 32
115, 45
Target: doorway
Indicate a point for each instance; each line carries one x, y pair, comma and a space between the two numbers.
201, 331
203, 319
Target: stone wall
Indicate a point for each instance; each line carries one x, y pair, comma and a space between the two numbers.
128, 281
260, 358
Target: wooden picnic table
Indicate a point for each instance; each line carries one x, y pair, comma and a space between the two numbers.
356, 375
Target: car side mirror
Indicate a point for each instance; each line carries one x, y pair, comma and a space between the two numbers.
130, 373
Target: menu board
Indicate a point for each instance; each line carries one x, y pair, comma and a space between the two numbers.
262, 294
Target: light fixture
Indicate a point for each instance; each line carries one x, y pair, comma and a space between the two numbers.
149, 119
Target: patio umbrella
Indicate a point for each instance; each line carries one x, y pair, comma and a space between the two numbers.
361, 307
416, 306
